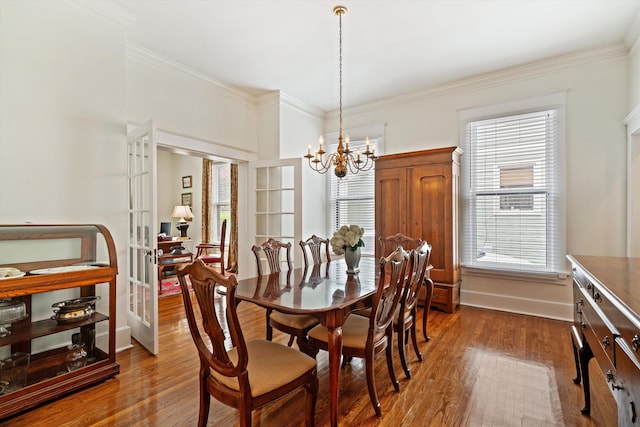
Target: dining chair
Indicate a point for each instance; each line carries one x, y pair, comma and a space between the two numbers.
296, 325
272, 251
365, 337
314, 245
250, 374
390, 243
387, 245
405, 318
404, 322
204, 249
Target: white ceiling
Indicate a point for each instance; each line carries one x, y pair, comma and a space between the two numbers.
390, 47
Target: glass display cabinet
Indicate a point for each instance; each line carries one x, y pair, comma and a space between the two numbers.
57, 312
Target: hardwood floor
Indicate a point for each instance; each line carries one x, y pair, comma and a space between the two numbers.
481, 368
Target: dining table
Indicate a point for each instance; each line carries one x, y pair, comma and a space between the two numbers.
324, 291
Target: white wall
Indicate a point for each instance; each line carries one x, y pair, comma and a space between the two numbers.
62, 122
300, 126
269, 127
596, 166
171, 168
189, 105
633, 153
166, 184
634, 76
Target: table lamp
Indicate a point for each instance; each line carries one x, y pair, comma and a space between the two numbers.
184, 214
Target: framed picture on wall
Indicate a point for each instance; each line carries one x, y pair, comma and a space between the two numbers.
186, 199
186, 182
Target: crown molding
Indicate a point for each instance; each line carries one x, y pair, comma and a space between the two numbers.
281, 99
108, 9
301, 107
633, 34
180, 70
271, 97
520, 72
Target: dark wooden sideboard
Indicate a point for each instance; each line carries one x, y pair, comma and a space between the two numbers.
606, 327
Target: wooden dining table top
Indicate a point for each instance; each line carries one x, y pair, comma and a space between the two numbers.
312, 290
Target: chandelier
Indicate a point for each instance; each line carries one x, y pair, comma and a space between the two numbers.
343, 159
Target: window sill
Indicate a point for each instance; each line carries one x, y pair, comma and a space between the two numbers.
558, 278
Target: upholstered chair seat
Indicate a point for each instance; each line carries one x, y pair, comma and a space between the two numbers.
270, 367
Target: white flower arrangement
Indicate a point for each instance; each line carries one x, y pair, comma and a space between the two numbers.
347, 236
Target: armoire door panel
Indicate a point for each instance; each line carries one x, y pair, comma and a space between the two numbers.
430, 211
390, 202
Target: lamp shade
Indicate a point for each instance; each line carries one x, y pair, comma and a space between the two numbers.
182, 212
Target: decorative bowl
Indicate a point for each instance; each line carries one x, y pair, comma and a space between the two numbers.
74, 310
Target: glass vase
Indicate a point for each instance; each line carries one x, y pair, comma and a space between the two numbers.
76, 357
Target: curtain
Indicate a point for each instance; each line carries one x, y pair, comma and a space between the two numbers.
233, 233
206, 200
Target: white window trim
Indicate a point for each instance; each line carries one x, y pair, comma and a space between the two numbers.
551, 101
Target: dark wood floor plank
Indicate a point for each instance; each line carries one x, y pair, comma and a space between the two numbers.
481, 367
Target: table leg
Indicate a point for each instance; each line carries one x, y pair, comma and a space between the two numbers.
335, 351
428, 283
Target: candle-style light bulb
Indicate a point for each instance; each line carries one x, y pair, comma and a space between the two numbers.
321, 140
309, 150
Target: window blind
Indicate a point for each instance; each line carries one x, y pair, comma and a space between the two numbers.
352, 199
511, 209
221, 195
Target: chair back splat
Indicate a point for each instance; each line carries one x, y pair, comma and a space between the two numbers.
275, 371
271, 249
314, 244
392, 279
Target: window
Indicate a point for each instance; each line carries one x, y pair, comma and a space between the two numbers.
352, 199
220, 197
515, 178
512, 205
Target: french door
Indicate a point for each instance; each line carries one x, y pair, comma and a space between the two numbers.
142, 311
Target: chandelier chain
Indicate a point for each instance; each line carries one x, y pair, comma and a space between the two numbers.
340, 65
343, 159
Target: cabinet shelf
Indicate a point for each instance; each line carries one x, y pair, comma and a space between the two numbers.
42, 328
48, 374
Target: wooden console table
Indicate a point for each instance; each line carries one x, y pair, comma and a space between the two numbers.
606, 293
166, 245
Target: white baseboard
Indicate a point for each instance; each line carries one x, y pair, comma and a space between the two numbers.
531, 307
123, 339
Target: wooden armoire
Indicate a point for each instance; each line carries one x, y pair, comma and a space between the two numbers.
417, 195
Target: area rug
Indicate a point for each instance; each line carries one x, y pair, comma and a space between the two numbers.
171, 286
